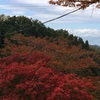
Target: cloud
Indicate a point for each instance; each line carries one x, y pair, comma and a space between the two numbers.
42, 10
85, 32
83, 20
9, 7
92, 35
28, 2
18, 12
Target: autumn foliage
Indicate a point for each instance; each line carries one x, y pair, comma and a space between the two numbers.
76, 3
66, 57
28, 77
47, 69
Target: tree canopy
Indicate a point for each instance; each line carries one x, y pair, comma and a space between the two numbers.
76, 3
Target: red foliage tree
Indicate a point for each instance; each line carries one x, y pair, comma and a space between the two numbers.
76, 3
28, 77
66, 58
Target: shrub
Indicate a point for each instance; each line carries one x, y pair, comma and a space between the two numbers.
27, 77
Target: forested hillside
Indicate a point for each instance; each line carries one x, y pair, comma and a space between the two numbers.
29, 27
95, 47
40, 63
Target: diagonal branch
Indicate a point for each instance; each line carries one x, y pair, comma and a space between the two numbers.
61, 16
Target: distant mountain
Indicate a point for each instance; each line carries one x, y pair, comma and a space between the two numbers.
96, 47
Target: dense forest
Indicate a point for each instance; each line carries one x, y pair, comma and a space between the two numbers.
29, 27
40, 63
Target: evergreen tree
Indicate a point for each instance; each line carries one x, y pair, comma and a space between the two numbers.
1, 40
86, 44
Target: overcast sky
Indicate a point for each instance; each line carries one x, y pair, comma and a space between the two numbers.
83, 23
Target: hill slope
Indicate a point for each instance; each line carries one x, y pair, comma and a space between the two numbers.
46, 52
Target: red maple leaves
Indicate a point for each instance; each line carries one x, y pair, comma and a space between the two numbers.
28, 77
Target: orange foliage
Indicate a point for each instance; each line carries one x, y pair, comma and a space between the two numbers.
76, 3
